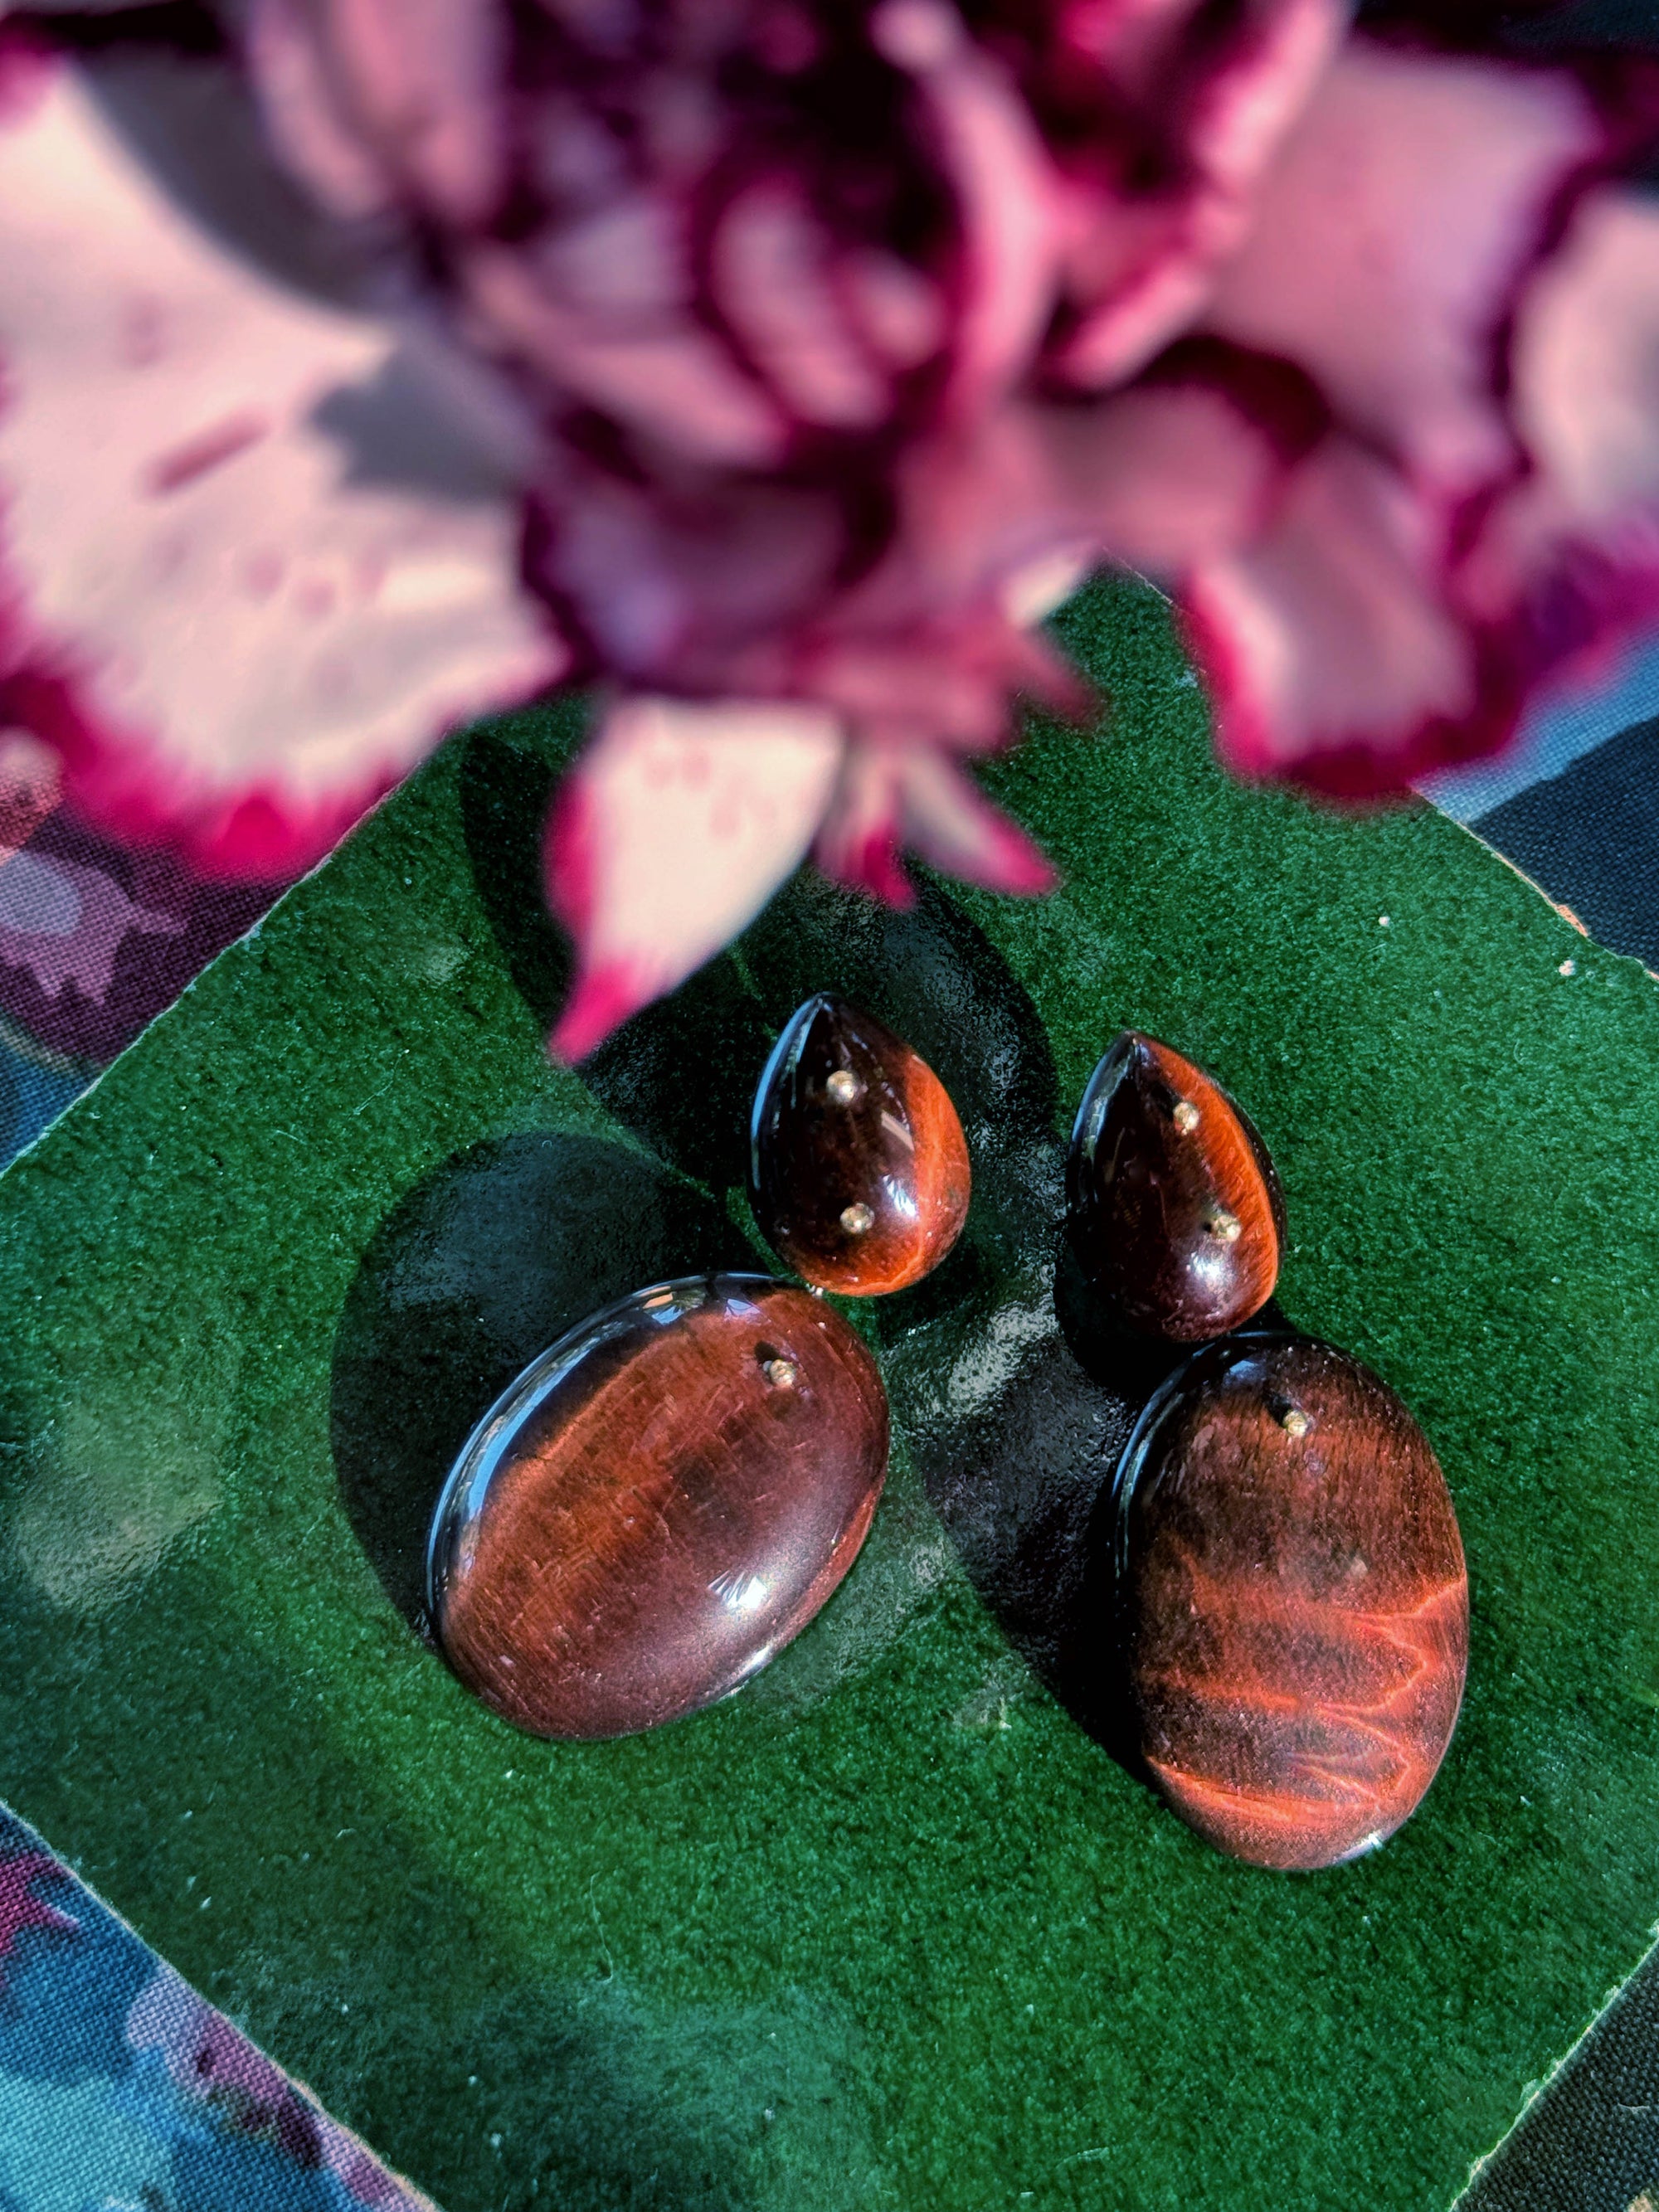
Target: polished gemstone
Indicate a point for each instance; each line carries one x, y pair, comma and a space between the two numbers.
1292, 1604
1174, 1208
859, 1169
657, 1505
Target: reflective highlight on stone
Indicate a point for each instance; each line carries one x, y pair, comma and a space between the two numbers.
1174, 1208
858, 1166
1292, 1603
657, 1505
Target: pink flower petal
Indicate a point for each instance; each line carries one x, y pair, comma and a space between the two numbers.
670, 833
891, 795
364, 96
1004, 187
1391, 238
954, 828
861, 842
1186, 464
671, 380
1329, 646
1206, 117
251, 567
1586, 361
1569, 557
307, 116
775, 289
1383, 626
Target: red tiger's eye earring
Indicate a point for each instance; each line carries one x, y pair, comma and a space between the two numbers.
1175, 1208
858, 1169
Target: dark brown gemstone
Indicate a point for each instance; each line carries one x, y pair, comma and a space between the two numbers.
858, 1168
1292, 1602
657, 1505
1176, 1211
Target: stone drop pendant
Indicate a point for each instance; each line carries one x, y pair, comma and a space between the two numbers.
1292, 1610
859, 1171
657, 1505
1174, 1207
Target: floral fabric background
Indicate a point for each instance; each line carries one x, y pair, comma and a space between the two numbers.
122, 2091
95, 939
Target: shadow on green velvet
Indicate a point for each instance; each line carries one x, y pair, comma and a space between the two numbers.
489, 1259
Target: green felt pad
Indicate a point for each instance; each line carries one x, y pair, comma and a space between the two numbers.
892, 1927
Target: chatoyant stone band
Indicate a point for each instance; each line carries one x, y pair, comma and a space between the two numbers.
1292, 1607
659, 1504
669, 1494
1175, 1209
859, 1169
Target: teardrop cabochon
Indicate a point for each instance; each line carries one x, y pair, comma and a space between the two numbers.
659, 1503
859, 1171
1292, 1602
1174, 1204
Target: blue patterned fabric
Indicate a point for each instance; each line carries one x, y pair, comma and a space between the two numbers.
122, 2091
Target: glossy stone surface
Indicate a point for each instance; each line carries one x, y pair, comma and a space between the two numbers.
657, 1505
858, 1169
1174, 1208
1292, 1603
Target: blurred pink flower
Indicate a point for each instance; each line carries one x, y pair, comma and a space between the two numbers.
778, 364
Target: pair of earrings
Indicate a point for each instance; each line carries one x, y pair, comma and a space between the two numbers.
668, 1495
1289, 1595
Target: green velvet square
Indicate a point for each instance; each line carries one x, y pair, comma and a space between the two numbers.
892, 1927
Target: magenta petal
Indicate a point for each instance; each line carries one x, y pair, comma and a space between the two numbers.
670, 834
954, 829
1392, 238
1329, 646
234, 620
862, 837
1567, 559
366, 96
